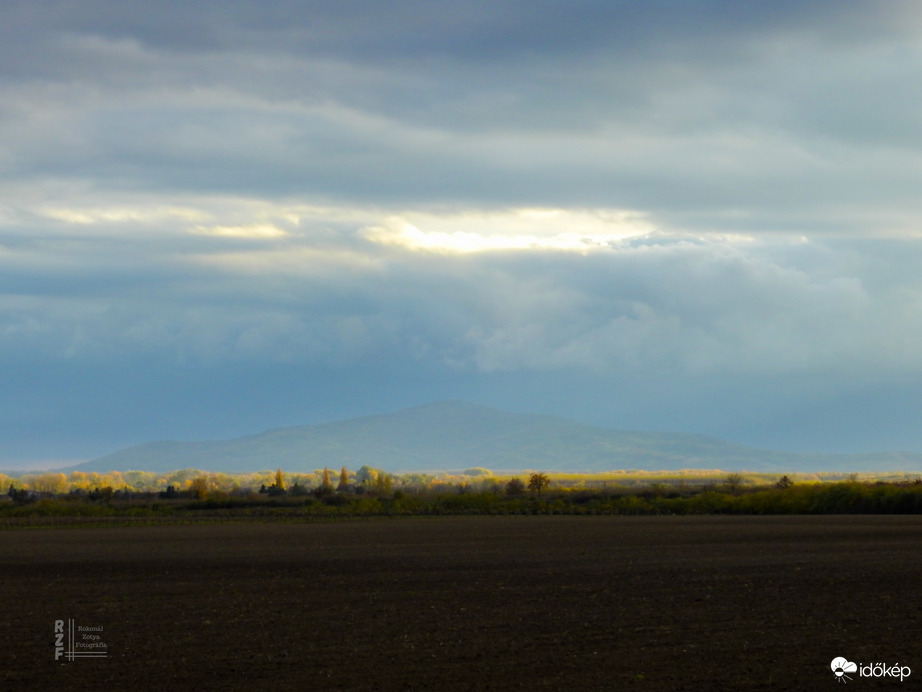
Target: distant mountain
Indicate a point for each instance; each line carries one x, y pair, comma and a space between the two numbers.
454, 435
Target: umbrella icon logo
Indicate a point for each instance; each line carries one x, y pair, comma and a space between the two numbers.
840, 666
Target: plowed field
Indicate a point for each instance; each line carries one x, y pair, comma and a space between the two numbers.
468, 603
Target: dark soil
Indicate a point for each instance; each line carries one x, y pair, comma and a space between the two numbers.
468, 603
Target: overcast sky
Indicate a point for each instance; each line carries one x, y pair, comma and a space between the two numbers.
223, 216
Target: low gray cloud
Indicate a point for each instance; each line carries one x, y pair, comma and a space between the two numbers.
684, 303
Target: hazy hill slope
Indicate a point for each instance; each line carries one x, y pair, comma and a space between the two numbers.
454, 435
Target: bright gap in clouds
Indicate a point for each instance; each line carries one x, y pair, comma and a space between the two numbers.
249, 231
515, 229
450, 232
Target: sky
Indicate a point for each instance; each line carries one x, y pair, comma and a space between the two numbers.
225, 216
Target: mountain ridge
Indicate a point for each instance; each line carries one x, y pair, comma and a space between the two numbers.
454, 435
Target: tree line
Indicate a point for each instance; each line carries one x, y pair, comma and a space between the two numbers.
380, 494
